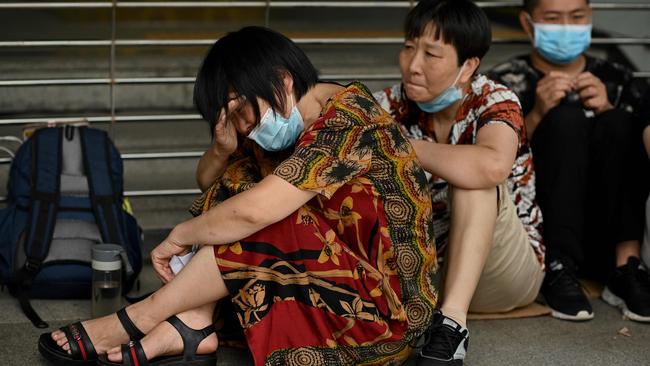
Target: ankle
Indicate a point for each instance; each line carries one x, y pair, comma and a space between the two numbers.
143, 319
457, 315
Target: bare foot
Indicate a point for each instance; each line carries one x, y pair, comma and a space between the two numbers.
104, 332
164, 340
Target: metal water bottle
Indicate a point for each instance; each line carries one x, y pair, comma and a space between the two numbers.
107, 279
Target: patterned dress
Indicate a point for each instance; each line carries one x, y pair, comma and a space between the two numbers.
484, 103
348, 278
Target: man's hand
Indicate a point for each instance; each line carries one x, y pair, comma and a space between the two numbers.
162, 254
592, 93
550, 91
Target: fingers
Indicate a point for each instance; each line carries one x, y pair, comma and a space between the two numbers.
163, 271
595, 103
232, 105
586, 80
588, 92
554, 82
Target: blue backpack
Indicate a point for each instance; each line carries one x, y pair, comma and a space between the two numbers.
65, 194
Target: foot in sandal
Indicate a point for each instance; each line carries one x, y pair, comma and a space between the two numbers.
171, 343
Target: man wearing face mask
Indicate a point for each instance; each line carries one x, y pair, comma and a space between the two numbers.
584, 116
468, 133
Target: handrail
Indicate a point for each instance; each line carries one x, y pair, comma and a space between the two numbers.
169, 80
190, 79
302, 41
150, 193
144, 156
278, 4
103, 119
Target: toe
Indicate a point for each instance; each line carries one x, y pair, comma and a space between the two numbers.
57, 334
114, 354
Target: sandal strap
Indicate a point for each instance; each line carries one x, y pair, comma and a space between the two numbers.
133, 354
191, 337
81, 348
134, 333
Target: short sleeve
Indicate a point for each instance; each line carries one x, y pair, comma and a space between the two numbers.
502, 107
331, 153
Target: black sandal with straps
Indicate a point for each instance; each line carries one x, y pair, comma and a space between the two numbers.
82, 350
133, 354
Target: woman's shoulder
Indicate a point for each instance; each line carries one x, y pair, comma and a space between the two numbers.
355, 105
486, 93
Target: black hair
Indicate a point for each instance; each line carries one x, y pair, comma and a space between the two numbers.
458, 22
530, 5
251, 63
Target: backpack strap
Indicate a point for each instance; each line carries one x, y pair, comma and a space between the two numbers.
105, 198
46, 178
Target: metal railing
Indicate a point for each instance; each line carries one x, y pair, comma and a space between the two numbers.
113, 43
277, 4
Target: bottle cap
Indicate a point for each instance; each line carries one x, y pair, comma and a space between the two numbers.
107, 257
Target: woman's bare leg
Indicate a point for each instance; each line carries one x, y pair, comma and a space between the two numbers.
473, 216
198, 284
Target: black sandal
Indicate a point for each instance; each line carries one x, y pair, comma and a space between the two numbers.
82, 350
133, 354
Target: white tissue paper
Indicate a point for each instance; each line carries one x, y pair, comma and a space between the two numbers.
178, 262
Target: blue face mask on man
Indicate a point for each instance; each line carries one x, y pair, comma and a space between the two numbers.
448, 97
561, 43
275, 132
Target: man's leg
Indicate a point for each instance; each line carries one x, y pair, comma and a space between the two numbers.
512, 275
645, 249
198, 284
619, 190
560, 147
561, 155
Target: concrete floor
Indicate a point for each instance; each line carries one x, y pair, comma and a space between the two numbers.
531, 341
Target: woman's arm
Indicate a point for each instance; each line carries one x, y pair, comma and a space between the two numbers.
483, 165
214, 161
211, 166
244, 214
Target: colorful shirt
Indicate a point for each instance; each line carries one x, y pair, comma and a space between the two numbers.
485, 102
348, 278
623, 91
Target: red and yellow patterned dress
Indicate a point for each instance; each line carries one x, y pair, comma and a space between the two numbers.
348, 278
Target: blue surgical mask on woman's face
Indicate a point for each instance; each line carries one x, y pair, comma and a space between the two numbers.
275, 132
448, 97
561, 43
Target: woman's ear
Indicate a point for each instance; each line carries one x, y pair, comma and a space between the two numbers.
288, 82
471, 65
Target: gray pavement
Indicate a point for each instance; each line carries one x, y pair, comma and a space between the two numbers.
607, 340
532, 341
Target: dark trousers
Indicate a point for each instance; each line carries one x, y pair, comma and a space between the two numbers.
590, 184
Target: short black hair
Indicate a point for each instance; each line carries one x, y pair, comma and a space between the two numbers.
530, 5
251, 63
459, 22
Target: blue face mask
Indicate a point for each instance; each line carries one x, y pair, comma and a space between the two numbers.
561, 43
275, 132
448, 97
